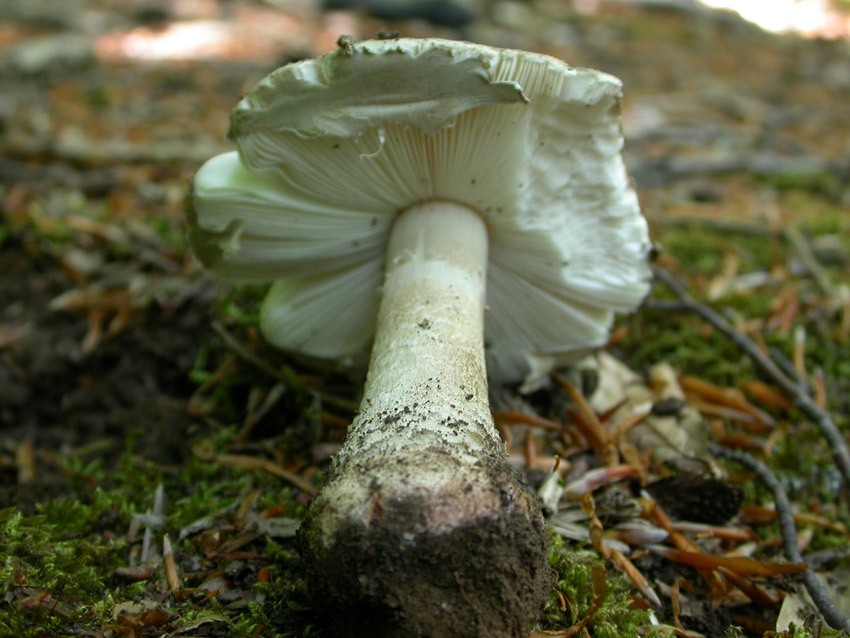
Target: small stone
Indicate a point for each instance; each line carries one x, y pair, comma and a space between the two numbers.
668, 407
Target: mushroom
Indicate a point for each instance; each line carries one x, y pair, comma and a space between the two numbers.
384, 188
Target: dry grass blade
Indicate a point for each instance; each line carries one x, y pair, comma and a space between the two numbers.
681, 633
597, 478
741, 565
819, 390
674, 602
751, 590
245, 506
799, 355
259, 404
764, 394
807, 255
508, 417
765, 515
743, 442
133, 574
171, 575
728, 397
716, 584
632, 456
25, 461
717, 579
742, 419
712, 531
242, 462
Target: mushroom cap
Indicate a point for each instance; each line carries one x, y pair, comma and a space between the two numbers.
331, 150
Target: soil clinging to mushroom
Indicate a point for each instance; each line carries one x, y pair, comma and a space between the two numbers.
382, 577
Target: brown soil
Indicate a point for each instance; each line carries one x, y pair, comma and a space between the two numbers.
133, 386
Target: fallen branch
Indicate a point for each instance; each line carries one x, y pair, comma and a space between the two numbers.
759, 164
804, 403
788, 530
75, 147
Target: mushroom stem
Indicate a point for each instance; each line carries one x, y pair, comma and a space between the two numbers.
423, 528
427, 380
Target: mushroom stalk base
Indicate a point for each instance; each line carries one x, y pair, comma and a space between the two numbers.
423, 528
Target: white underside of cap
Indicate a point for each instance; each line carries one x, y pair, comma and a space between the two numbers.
568, 245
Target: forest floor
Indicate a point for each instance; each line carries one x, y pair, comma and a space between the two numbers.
156, 455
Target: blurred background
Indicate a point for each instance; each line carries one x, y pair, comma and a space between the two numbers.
706, 58
711, 86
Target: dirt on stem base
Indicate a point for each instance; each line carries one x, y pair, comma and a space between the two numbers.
421, 556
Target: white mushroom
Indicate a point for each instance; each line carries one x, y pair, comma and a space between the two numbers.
385, 188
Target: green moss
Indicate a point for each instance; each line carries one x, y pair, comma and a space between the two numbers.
805, 632
701, 250
285, 611
681, 341
65, 552
65, 549
57, 567
616, 616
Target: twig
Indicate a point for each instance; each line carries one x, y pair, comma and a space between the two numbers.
787, 367
788, 530
804, 403
86, 151
807, 256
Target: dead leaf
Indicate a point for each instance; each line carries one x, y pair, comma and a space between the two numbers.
766, 395
591, 427
729, 397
